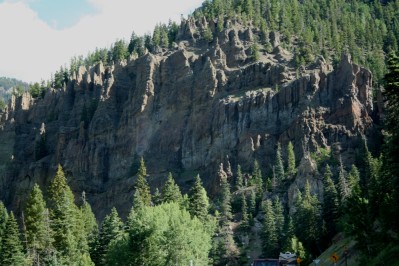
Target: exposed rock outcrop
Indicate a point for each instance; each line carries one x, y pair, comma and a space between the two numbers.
184, 111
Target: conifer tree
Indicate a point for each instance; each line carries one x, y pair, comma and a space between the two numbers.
353, 180
39, 240
308, 220
111, 230
3, 221
279, 220
330, 204
171, 191
239, 178
343, 190
291, 168
90, 224
157, 197
252, 203
12, 251
269, 231
142, 184
257, 178
244, 213
279, 165
198, 201
225, 197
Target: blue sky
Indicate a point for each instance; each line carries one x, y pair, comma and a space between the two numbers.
61, 14
38, 36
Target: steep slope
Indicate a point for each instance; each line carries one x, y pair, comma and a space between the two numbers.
184, 110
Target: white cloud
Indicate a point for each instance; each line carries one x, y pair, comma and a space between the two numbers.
31, 50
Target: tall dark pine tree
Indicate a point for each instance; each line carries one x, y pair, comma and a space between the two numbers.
111, 229
390, 178
3, 221
198, 201
244, 213
90, 224
330, 203
225, 197
239, 178
39, 240
279, 220
279, 164
269, 231
12, 252
142, 184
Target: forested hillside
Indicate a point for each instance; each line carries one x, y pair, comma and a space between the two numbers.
251, 128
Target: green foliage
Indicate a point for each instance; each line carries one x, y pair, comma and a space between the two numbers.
119, 50
330, 203
90, 224
279, 221
142, 184
239, 178
208, 35
198, 201
171, 191
3, 221
11, 251
39, 241
255, 55
225, 198
256, 178
279, 165
270, 248
157, 235
291, 167
244, 213
36, 90
308, 221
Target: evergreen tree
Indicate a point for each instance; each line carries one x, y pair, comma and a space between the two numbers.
308, 222
343, 190
239, 178
171, 191
279, 221
330, 203
279, 165
3, 221
269, 232
12, 252
198, 201
244, 213
111, 230
157, 197
354, 180
257, 179
66, 220
225, 198
291, 168
252, 203
39, 240
142, 184
90, 225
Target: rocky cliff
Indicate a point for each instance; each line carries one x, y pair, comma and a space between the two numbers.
185, 110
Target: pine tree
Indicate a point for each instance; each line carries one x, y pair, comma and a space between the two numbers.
252, 203
90, 224
343, 190
291, 168
269, 231
12, 252
330, 204
279, 220
308, 220
198, 201
239, 178
244, 213
354, 180
257, 178
142, 184
66, 220
39, 241
157, 197
111, 229
171, 191
3, 221
279, 165
225, 197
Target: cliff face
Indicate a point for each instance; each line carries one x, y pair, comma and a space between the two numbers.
184, 110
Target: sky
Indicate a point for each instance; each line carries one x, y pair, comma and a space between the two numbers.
38, 36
